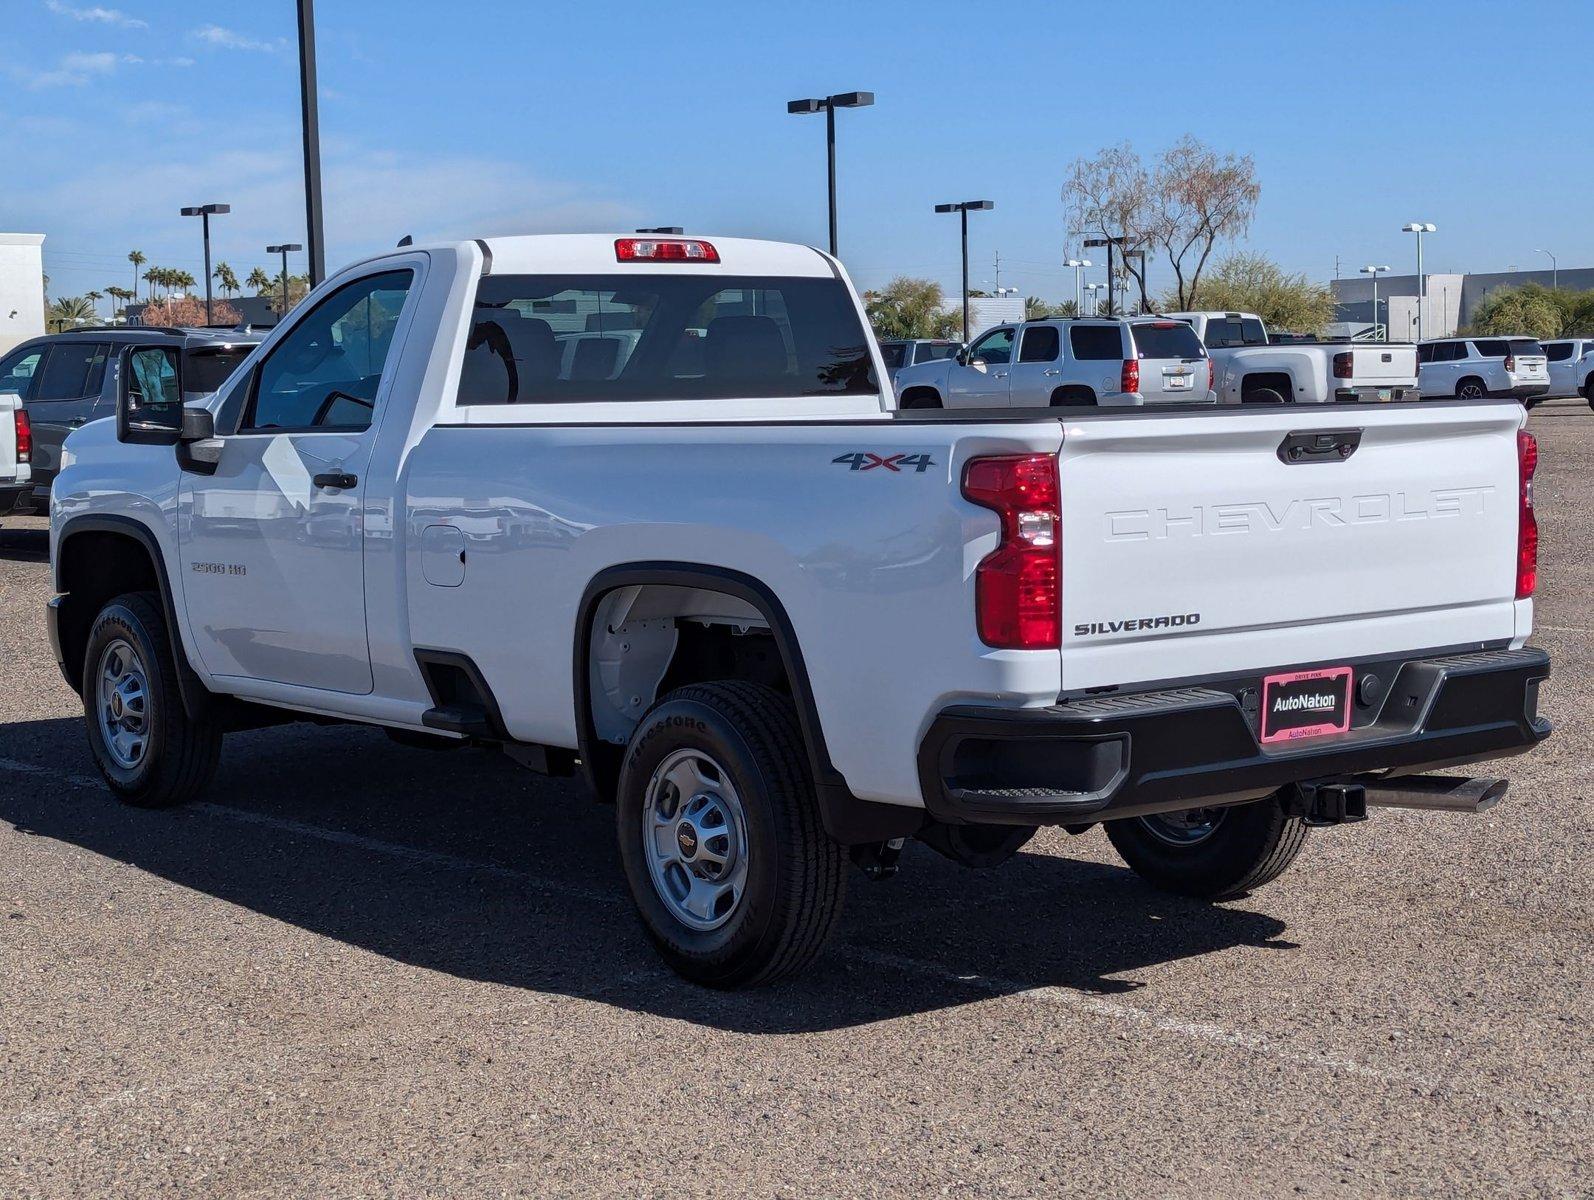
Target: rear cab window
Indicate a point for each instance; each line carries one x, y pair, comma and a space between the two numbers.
1558, 351
1235, 331
1166, 339
206, 369
636, 337
934, 351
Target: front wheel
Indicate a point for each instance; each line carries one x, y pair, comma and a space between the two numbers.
149, 750
1210, 853
732, 873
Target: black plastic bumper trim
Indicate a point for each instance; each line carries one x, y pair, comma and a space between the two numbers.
1106, 757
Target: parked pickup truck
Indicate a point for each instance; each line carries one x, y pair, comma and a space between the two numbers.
1253, 370
778, 623
16, 452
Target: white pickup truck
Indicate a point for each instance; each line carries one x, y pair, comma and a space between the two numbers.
777, 622
1251, 368
16, 452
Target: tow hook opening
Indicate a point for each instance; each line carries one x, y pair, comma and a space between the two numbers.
1327, 803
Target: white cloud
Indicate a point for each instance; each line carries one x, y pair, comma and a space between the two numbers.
71, 70
104, 16
231, 39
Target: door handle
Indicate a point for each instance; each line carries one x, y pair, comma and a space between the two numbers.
998, 374
1051, 371
335, 480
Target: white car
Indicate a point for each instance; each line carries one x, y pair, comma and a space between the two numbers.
1571, 367
1089, 361
780, 624
1475, 368
1253, 369
16, 452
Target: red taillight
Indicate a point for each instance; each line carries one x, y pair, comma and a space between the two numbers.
1343, 365
1129, 378
24, 436
1018, 586
665, 250
1510, 362
1212, 375
1527, 523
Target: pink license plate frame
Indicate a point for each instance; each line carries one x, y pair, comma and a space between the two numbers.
1338, 721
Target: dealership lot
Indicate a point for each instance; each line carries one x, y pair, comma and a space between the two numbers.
357, 968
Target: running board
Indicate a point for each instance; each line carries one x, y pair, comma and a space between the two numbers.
1437, 793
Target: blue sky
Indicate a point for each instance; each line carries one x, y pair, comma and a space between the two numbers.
480, 117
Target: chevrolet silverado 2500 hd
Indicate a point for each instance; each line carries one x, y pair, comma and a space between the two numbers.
780, 624
1251, 368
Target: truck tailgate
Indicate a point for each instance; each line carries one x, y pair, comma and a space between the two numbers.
1195, 545
1382, 365
8, 437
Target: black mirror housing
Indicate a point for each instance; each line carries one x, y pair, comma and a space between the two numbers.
149, 396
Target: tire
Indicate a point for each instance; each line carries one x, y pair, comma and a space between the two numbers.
1471, 388
151, 753
1263, 395
1246, 846
760, 817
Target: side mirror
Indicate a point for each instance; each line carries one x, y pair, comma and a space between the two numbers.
962, 357
149, 396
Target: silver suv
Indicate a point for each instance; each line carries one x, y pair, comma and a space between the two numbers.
1472, 368
1089, 361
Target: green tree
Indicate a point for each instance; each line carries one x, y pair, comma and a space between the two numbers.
136, 257
118, 295
1249, 282
94, 299
184, 280
259, 281
913, 308
155, 277
1035, 308
226, 280
67, 312
1536, 311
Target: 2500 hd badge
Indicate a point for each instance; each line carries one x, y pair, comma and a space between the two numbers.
1135, 624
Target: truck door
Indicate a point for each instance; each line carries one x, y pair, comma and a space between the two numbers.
271, 543
983, 382
62, 400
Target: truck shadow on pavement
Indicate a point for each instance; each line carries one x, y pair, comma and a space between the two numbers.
461, 863
24, 542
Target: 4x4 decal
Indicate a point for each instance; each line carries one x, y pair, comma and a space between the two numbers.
864, 460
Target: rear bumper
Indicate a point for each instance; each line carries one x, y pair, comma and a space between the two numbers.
1390, 392
1522, 391
1104, 757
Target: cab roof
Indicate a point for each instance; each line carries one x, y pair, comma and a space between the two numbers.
594, 253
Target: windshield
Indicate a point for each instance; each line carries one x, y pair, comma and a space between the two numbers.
1167, 339
551, 338
204, 371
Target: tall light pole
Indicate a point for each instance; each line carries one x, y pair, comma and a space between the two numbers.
1093, 288
310, 113
963, 208
1079, 299
204, 212
828, 105
1373, 271
1420, 228
1109, 241
285, 249
1555, 270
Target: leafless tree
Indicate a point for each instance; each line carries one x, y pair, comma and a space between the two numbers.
1109, 195
1199, 198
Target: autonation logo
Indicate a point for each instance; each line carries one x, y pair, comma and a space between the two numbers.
1310, 702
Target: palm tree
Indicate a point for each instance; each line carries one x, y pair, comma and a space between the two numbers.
184, 280
226, 279
153, 278
94, 298
69, 311
136, 257
118, 295
260, 281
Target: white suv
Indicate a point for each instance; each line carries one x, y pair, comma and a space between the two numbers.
1571, 367
1472, 368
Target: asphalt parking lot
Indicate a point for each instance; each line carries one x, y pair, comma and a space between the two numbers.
358, 969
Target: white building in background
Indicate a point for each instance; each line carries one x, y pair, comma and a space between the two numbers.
985, 311
21, 288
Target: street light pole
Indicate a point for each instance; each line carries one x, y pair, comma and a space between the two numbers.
1373, 271
828, 105
284, 250
1109, 241
1092, 288
1555, 270
310, 113
963, 208
204, 212
1420, 228
1079, 299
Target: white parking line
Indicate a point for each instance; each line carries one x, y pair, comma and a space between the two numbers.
996, 987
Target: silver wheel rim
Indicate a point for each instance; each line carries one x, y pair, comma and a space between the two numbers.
1471, 391
1188, 828
694, 836
122, 700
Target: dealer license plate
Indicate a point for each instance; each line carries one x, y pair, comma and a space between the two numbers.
1306, 704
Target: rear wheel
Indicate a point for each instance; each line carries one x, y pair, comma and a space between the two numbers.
733, 875
1263, 395
148, 749
921, 398
1471, 388
1210, 853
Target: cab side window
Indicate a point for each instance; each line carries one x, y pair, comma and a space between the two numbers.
73, 371
995, 347
1040, 344
18, 371
325, 373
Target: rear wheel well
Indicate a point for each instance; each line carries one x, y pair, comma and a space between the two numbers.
1073, 395
91, 568
1278, 381
921, 397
